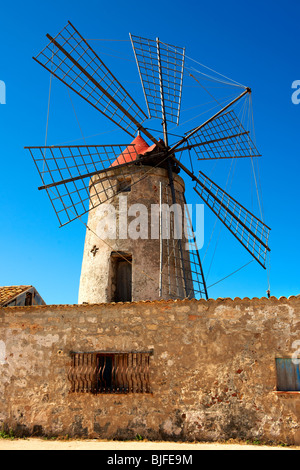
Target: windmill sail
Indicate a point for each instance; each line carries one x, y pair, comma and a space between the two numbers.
69, 173
69, 57
223, 137
251, 232
161, 71
182, 273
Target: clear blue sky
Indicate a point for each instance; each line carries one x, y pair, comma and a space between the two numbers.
255, 43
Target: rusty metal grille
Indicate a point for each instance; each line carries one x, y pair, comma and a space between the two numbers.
109, 372
224, 137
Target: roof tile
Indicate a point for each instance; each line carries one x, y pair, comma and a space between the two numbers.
8, 293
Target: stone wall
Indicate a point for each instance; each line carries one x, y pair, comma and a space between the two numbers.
212, 371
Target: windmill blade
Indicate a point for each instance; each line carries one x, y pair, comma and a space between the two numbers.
223, 137
160, 67
187, 288
182, 274
69, 58
80, 178
250, 231
196, 273
177, 146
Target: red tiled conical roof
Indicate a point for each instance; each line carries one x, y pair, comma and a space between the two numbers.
130, 153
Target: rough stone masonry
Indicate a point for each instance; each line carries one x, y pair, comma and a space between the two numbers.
212, 371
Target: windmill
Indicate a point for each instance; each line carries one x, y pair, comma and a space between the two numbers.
78, 179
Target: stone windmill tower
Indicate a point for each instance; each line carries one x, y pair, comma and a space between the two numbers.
136, 257
162, 260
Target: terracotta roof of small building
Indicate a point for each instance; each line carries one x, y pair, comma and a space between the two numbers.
9, 293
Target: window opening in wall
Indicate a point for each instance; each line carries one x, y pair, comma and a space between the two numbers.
121, 281
28, 298
110, 372
124, 185
288, 375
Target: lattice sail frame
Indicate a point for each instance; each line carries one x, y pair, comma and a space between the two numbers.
67, 172
161, 69
182, 273
224, 137
250, 231
71, 59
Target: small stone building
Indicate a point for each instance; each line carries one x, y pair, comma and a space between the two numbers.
19, 296
187, 370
